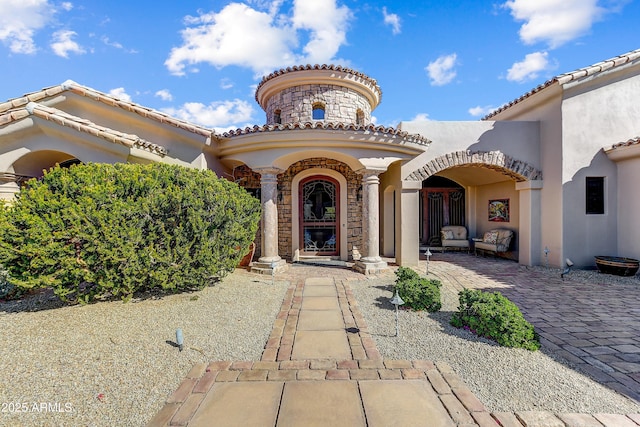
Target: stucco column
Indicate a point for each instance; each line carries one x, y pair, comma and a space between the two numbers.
371, 263
529, 243
408, 217
270, 260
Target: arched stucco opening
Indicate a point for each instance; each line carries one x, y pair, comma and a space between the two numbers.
31, 165
35, 163
487, 177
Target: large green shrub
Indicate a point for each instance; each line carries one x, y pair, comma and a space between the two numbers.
97, 230
492, 315
418, 293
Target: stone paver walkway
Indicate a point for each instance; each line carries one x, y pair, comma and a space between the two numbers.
320, 367
595, 328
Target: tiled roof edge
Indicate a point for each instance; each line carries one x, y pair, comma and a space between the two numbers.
632, 141
338, 68
82, 125
416, 138
572, 76
79, 89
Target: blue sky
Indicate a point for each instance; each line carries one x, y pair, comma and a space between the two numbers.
201, 60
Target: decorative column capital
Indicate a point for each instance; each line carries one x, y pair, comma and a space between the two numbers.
270, 170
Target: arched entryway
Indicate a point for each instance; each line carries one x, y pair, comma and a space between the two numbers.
319, 213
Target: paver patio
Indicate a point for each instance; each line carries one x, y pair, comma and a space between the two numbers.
321, 367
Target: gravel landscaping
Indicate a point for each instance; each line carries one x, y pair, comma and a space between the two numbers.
112, 363
109, 363
503, 379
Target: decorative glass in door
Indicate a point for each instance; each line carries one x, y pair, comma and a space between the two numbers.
319, 216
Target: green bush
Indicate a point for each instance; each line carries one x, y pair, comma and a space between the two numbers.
100, 230
493, 316
418, 293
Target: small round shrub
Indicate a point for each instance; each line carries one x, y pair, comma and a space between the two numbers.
98, 230
493, 316
418, 293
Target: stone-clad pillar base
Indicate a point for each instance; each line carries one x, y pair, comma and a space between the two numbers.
273, 267
370, 267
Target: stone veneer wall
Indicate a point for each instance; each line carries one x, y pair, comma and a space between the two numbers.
251, 180
296, 104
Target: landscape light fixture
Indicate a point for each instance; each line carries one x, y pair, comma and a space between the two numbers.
428, 254
567, 270
546, 256
396, 300
179, 339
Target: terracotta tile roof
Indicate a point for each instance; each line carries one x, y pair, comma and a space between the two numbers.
338, 68
574, 75
79, 124
632, 141
415, 138
78, 89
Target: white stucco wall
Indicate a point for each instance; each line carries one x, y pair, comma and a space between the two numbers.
628, 208
596, 113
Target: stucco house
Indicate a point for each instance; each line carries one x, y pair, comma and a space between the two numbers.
560, 164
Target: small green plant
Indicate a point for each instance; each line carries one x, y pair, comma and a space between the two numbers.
418, 293
493, 316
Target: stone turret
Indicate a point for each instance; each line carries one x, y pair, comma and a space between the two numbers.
326, 93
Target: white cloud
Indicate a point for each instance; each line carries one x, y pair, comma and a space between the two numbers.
391, 19
219, 115
261, 39
120, 93
62, 43
481, 111
327, 24
554, 21
20, 20
226, 84
529, 68
441, 71
67, 5
164, 94
421, 117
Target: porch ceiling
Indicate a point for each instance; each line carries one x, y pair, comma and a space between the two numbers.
474, 175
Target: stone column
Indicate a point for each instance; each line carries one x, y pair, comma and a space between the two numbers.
270, 261
371, 263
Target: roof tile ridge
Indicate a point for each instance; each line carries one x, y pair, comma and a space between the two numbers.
23, 100
417, 138
80, 124
572, 75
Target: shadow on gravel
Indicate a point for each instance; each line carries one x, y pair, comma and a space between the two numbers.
45, 299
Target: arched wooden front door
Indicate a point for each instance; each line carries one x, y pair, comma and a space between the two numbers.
319, 212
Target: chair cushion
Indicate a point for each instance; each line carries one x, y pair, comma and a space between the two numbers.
490, 237
446, 234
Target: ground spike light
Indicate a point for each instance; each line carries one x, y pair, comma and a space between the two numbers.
396, 300
179, 339
428, 254
546, 256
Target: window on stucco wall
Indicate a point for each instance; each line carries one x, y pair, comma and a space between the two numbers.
594, 186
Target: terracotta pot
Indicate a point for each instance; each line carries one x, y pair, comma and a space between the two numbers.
617, 265
246, 260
